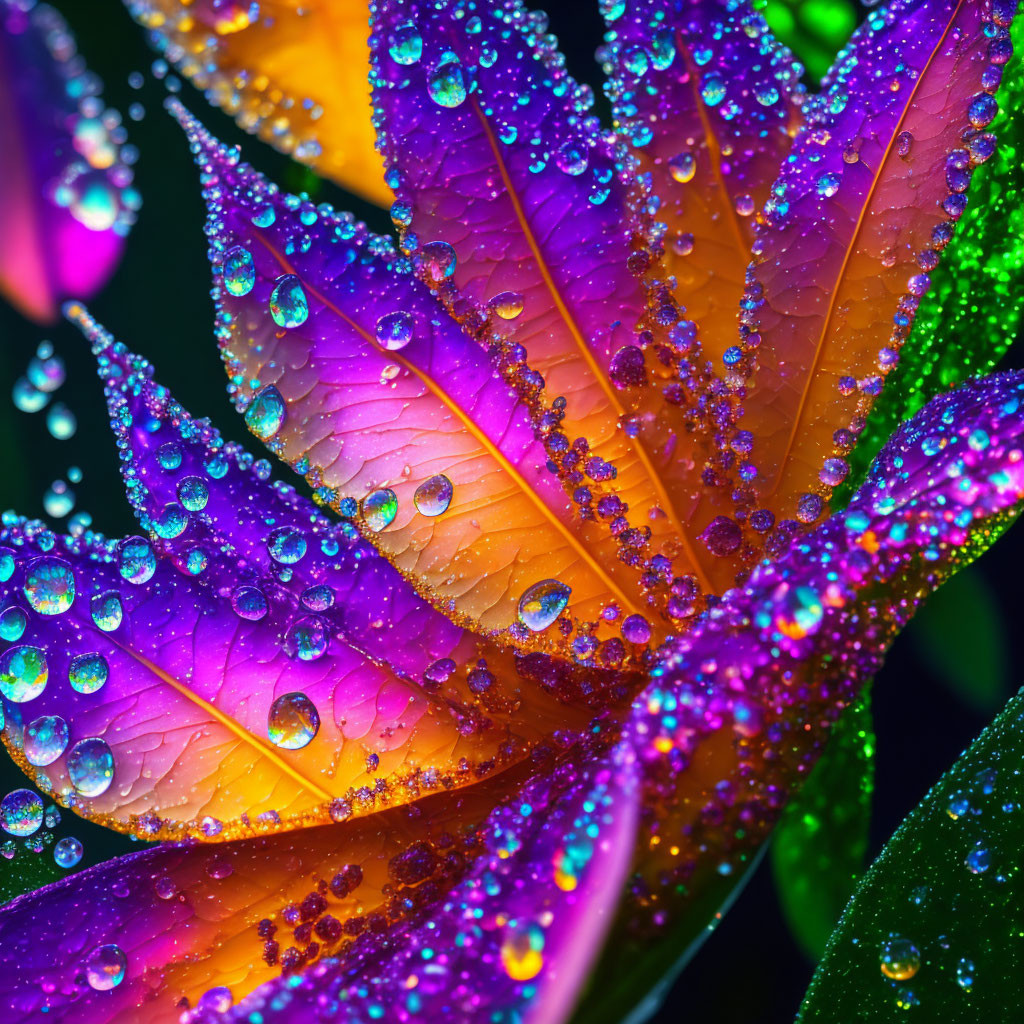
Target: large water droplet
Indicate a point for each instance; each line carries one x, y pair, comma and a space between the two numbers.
50, 586
542, 603
249, 603
405, 44
239, 271
91, 766
437, 260
23, 673
105, 967
68, 852
308, 638
433, 496
293, 721
88, 672
61, 422
193, 493
46, 738
266, 413
508, 305
446, 83
394, 330
286, 546
107, 611
21, 812
171, 522
380, 508
900, 958
135, 560
288, 305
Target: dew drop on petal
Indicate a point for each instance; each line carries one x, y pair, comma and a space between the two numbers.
522, 952
169, 456
239, 271
171, 522
405, 44
288, 305
46, 738
286, 546
683, 166
88, 672
12, 624
293, 721
308, 638
395, 330
542, 603
68, 852
50, 586
712, 89
828, 184
193, 493
636, 629
90, 766
446, 83
433, 496
266, 413
508, 305
136, 560
105, 967
21, 812
436, 260
249, 603
379, 509
23, 673
107, 611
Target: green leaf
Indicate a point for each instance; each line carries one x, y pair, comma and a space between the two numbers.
973, 311
961, 636
813, 29
819, 847
936, 925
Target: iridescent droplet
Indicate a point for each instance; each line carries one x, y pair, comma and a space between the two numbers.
12, 623
266, 414
288, 305
317, 598
68, 852
508, 305
636, 629
965, 974
446, 84
437, 261
542, 603
193, 493
23, 673
286, 546
239, 271
380, 508
308, 638
88, 672
900, 958
46, 738
50, 586
21, 812
215, 1000
433, 496
522, 951
405, 44
105, 967
107, 611
169, 456
249, 603
136, 560
45, 370
61, 422
171, 522
395, 330
293, 721
90, 765
683, 167
571, 158
712, 89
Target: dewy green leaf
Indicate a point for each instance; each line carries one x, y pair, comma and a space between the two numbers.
819, 846
972, 314
935, 925
961, 635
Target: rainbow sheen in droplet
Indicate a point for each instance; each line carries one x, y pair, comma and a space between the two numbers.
67, 852
23, 673
446, 83
46, 738
379, 509
288, 304
308, 638
50, 586
12, 623
136, 560
542, 603
105, 967
433, 496
193, 494
88, 672
293, 721
286, 546
239, 271
21, 812
266, 414
107, 611
90, 765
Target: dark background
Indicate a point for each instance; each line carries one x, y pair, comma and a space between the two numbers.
158, 303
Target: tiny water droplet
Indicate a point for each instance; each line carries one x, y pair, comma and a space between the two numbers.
68, 852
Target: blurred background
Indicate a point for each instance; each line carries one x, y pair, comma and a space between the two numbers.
944, 680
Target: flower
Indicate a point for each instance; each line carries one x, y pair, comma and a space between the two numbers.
579, 621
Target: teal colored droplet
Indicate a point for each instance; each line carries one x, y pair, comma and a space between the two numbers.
68, 851
405, 44
50, 586
21, 812
193, 493
286, 546
6, 564
239, 271
446, 83
266, 414
712, 89
88, 672
249, 603
288, 305
12, 623
107, 611
46, 738
90, 766
136, 560
23, 673
171, 522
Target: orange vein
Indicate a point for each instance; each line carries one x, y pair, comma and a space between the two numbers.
584, 348
266, 749
848, 254
481, 438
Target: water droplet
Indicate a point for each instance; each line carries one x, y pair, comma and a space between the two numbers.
27, 397
50, 586
105, 967
904, 141
828, 184
88, 672
90, 766
23, 673
171, 522
61, 422
136, 561
308, 638
712, 89
436, 260
982, 110
636, 629
107, 611
193, 493
169, 456
508, 305
249, 603
433, 496
46, 738
293, 721
446, 83
317, 598
45, 370
288, 305
542, 603
683, 167
405, 44
266, 413
58, 500
286, 546
68, 852
521, 952
979, 860
239, 271
571, 158
722, 536
12, 624
379, 509
900, 958
395, 330
21, 812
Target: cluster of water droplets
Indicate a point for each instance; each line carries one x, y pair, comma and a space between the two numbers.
31, 824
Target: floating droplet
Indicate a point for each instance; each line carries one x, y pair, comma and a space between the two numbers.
12, 624
45, 370
433, 496
293, 721
405, 44
288, 305
508, 305
61, 422
135, 560
21, 812
88, 672
27, 397
308, 638
249, 603
266, 414
59, 499
286, 546
446, 83
722, 536
380, 508
193, 493
23, 673
68, 852
900, 958
239, 271
46, 738
395, 330
107, 611
50, 586
542, 603
91, 766
105, 967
